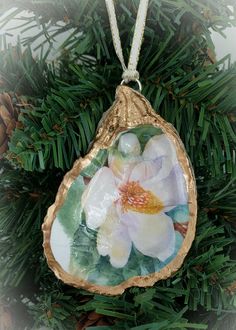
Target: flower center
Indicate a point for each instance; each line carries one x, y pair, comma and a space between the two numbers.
135, 198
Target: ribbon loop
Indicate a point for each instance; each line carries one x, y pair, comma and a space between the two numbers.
130, 73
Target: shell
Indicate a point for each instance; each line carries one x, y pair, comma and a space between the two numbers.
129, 113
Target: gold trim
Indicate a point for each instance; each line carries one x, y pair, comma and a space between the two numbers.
129, 110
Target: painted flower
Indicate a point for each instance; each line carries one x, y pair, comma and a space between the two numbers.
126, 201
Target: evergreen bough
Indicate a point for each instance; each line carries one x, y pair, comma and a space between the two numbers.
60, 103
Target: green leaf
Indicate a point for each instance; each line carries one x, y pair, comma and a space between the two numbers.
70, 213
96, 163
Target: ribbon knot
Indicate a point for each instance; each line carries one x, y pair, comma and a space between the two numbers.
130, 75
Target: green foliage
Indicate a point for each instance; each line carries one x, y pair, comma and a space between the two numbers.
66, 100
70, 215
60, 130
95, 164
22, 73
55, 311
22, 204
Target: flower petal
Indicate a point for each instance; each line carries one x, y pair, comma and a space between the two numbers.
161, 146
123, 159
121, 166
171, 190
129, 144
100, 193
146, 170
113, 240
152, 235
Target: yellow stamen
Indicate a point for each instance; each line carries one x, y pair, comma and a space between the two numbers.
135, 198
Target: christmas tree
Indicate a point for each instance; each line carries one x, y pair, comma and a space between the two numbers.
49, 111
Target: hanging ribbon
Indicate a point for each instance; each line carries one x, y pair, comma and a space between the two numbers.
130, 73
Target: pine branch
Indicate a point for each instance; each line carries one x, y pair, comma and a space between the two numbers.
23, 74
59, 131
23, 200
69, 14
66, 99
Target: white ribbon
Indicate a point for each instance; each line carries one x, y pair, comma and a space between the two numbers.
130, 73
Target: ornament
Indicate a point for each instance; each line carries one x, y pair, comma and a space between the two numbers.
125, 215
8, 119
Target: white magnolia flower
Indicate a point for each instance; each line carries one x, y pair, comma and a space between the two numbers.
126, 201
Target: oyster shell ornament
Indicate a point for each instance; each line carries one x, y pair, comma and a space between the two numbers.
125, 214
